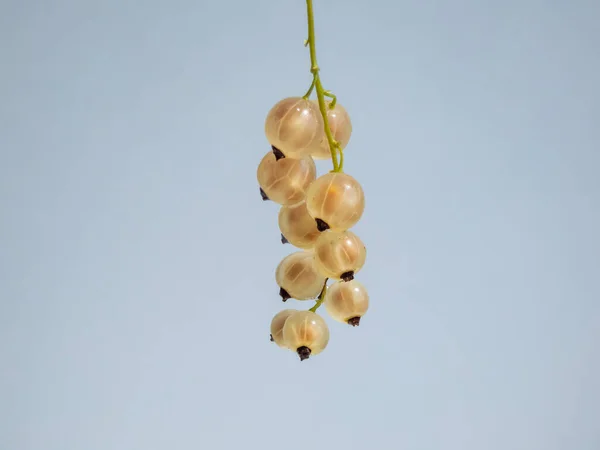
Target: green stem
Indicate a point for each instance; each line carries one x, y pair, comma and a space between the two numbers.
310, 89
321, 297
334, 146
332, 97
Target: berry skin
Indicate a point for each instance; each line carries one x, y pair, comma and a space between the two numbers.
339, 255
306, 332
297, 226
277, 326
286, 180
298, 277
347, 302
336, 201
341, 129
295, 127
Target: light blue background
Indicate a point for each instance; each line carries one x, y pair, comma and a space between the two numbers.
137, 259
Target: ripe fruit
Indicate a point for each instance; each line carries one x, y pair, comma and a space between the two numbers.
336, 201
306, 332
347, 302
277, 326
339, 254
285, 180
294, 126
297, 226
298, 278
341, 129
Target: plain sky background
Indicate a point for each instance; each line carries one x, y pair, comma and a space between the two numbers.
137, 259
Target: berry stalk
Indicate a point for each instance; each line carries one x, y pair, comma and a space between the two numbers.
316, 84
321, 298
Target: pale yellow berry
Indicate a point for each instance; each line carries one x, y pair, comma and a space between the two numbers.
341, 130
347, 301
336, 201
298, 226
294, 126
306, 332
298, 277
339, 254
277, 326
285, 180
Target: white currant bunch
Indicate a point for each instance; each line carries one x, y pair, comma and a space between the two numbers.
316, 214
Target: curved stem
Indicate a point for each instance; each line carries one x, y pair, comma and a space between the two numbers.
310, 89
332, 97
334, 146
321, 297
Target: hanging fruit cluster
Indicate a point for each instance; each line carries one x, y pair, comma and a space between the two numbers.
316, 213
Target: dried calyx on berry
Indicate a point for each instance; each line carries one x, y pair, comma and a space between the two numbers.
303, 352
278, 153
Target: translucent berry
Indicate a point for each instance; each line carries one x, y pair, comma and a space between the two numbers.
336, 201
277, 326
347, 302
298, 277
286, 180
341, 129
306, 332
339, 254
294, 126
297, 225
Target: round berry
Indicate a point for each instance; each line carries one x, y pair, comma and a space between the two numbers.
306, 332
339, 254
285, 180
347, 302
294, 126
336, 201
341, 129
297, 225
298, 277
277, 326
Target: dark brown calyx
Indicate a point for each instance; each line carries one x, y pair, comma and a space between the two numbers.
284, 294
271, 338
263, 195
278, 153
355, 321
284, 240
321, 225
347, 276
303, 352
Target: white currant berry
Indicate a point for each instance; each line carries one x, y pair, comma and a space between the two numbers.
307, 333
297, 226
339, 255
297, 277
347, 301
285, 180
336, 201
341, 130
277, 326
294, 126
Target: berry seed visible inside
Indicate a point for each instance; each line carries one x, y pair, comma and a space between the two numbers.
284, 294
284, 240
303, 352
271, 338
